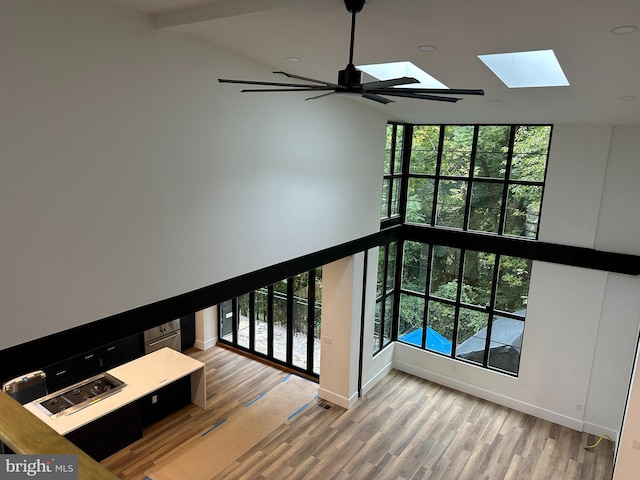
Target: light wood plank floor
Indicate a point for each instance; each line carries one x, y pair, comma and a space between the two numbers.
404, 428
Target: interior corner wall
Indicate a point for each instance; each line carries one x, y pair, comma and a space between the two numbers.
129, 175
558, 343
340, 337
618, 225
582, 325
374, 368
613, 357
570, 210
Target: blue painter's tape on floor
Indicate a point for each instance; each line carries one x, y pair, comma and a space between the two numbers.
286, 378
255, 399
297, 411
212, 428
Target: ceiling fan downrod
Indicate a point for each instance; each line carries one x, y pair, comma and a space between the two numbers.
351, 76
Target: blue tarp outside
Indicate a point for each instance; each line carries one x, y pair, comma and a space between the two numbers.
435, 341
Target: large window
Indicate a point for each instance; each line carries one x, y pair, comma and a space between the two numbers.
385, 295
280, 322
392, 172
464, 304
486, 181
484, 178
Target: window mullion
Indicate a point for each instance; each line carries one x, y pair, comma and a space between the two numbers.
467, 203
456, 318
507, 174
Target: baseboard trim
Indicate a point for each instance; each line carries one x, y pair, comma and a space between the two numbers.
200, 345
339, 400
573, 423
376, 378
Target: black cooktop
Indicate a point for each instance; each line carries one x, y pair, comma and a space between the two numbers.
81, 394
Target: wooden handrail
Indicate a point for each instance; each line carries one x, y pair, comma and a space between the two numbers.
23, 433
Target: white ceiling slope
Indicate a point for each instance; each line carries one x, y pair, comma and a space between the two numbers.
600, 66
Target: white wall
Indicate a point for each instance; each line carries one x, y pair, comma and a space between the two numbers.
129, 175
582, 325
340, 338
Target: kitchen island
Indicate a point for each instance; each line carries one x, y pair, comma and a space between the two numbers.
155, 384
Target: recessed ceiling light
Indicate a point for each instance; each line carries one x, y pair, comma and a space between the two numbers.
293, 59
426, 48
627, 97
538, 68
624, 29
387, 71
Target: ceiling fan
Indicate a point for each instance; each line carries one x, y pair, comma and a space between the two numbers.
350, 80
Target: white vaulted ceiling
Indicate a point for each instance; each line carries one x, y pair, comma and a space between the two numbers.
602, 67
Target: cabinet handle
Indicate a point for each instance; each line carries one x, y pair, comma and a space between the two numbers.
89, 356
110, 349
151, 344
62, 372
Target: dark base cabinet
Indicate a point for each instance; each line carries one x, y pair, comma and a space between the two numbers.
113, 432
106, 435
166, 400
76, 369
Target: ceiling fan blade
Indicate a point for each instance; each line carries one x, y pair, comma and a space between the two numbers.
267, 84
377, 98
309, 88
441, 91
298, 77
399, 93
388, 83
319, 96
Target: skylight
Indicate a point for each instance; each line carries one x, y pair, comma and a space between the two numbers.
387, 71
526, 69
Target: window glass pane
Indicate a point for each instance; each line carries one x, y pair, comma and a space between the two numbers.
317, 330
382, 253
244, 313
415, 260
262, 317
530, 149
397, 165
300, 319
440, 321
456, 150
486, 204
506, 344
387, 151
376, 327
424, 149
388, 319
280, 320
472, 334
451, 202
395, 205
385, 198
420, 200
444, 272
492, 151
410, 321
523, 210
477, 278
513, 284
391, 266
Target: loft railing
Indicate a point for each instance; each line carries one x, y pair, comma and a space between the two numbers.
23, 433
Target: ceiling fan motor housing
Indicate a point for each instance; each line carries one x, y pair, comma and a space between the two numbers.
354, 6
350, 76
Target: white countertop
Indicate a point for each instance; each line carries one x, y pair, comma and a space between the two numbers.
142, 376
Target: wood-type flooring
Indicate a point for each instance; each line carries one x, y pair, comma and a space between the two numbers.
404, 428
